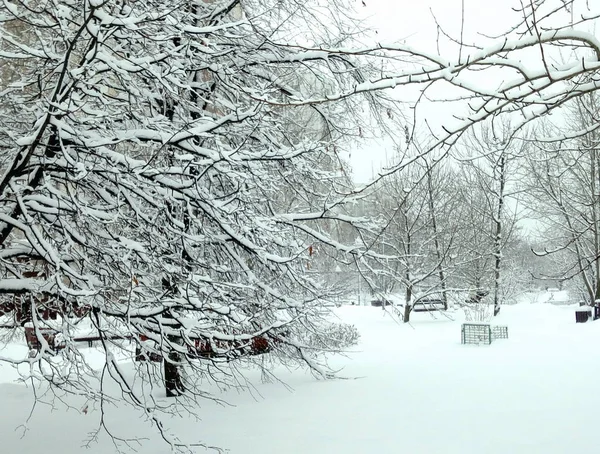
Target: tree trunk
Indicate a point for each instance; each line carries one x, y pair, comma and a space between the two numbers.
498, 237
408, 304
436, 239
173, 380
172, 360
407, 311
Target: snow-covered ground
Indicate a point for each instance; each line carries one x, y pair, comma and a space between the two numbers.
405, 389
554, 296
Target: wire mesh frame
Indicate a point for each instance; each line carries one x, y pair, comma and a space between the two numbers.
499, 332
476, 333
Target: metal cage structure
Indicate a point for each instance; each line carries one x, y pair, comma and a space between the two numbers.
481, 333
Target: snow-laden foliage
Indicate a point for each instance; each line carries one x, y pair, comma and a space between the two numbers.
166, 166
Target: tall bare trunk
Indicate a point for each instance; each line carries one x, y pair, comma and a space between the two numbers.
498, 238
436, 239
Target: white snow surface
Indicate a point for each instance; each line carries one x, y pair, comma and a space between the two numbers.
406, 389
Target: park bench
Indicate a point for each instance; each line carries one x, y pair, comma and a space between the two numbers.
380, 303
429, 305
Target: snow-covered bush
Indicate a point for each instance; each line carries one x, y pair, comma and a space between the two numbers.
336, 336
478, 308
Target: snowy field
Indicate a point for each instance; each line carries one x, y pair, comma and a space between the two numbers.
406, 389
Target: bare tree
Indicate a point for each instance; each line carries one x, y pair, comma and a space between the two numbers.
414, 240
442, 202
564, 193
489, 164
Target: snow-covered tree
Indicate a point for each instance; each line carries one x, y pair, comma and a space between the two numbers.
564, 193
416, 205
166, 165
489, 162
543, 65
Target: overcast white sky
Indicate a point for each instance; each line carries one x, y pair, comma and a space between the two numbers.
413, 22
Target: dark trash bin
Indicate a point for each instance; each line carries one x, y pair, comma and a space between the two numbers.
596, 309
582, 316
